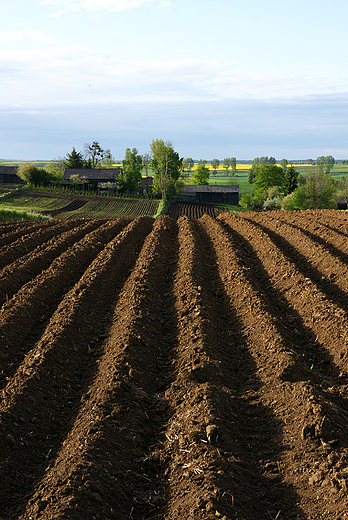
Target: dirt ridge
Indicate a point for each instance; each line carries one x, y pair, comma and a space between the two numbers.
167, 369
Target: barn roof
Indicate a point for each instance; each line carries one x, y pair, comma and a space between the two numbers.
207, 188
90, 174
8, 170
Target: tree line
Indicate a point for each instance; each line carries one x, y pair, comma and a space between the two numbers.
281, 186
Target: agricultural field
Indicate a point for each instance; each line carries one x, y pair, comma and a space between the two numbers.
163, 369
220, 178
196, 210
66, 207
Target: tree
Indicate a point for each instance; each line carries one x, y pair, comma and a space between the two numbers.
34, 176
329, 163
167, 165
56, 168
94, 153
74, 160
320, 161
202, 161
201, 175
233, 164
290, 180
317, 192
131, 170
325, 163
108, 160
257, 161
266, 176
342, 188
284, 164
188, 163
215, 164
146, 157
226, 164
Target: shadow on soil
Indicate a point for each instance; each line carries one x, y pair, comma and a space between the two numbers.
251, 435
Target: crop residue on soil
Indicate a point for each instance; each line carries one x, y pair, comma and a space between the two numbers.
175, 369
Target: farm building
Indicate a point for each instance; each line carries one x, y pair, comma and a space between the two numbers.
8, 175
93, 178
212, 194
145, 184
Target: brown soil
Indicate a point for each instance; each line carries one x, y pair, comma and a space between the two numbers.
189, 369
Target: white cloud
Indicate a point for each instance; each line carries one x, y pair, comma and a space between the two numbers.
76, 75
42, 38
65, 6
7, 37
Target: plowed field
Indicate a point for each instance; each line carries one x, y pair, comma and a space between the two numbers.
189, 369
192, 210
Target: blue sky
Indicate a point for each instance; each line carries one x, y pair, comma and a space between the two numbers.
239, 78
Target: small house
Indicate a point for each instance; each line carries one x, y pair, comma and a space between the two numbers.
8, 175
92, 178
212, 194
145, 185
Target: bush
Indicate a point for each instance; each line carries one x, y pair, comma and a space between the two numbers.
273, 203
34, 176
246, 200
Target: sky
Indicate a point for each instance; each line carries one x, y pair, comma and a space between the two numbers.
239, 78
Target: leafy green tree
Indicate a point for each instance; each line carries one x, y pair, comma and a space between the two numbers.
146, 157
316, 193
266, 176
215, 164
325, 163
233, 164
94, 153
290, 180
74, 160
75, 180
56, 169
257, 161
188, 163
201, 175
284, 164
251, 171
320, 161
132, 166
34, 176
226, 164
167, 166
329, 163
342, 188
202, 161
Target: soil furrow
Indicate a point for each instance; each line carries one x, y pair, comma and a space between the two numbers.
43, 398
218, 415
306, 429
24, 269
327, 271
14, 230
322, 422
26, 243
329, 240
318, 299
116, 474
35, 302
191, 369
